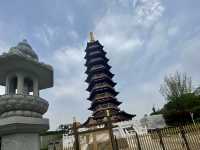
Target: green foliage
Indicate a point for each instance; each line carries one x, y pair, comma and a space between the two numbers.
181, 101
185, 103
178, 110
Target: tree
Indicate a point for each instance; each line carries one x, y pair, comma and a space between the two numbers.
65, 128
181, 100
175, 86
179, 110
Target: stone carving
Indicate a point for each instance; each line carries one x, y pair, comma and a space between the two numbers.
25, 105
22, 141
21, 109
24, 49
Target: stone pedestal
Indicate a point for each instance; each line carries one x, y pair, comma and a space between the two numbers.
21, 142
22, 133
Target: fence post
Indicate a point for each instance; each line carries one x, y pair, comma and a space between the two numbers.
75, 130
184, 137
138, 141
54, 146
160, 138
117, 146
110, 130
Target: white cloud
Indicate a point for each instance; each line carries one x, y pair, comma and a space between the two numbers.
124, 31
50, 31
189, 53
148, 11
68, 61
70, 19
69, 89
173, 31
3, 47
45, 34
69, 57
73, 34
41, 35
120, 44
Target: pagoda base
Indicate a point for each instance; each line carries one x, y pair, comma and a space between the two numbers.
20, 142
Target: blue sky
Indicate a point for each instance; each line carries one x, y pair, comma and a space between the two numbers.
145, 40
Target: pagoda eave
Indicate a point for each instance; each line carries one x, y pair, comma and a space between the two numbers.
108, 73
92, 84
93, 46
96, 62
113, 101
126, 115
89, 122
102, 68
100, 53
114, 93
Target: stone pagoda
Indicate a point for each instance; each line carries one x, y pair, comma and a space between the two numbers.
101, 86
21, 108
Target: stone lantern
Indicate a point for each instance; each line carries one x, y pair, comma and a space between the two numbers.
21, 108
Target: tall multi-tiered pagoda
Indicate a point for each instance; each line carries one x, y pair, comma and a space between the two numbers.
101, 86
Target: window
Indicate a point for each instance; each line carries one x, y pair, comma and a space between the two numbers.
28, 86
13, 85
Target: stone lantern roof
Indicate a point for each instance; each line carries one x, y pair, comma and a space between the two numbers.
22, 57
23, 48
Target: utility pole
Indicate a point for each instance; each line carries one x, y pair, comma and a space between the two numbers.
75, 132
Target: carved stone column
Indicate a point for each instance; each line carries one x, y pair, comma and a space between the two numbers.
35, 87
7, 85
20, 83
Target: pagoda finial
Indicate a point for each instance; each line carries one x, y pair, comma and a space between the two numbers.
92, 37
